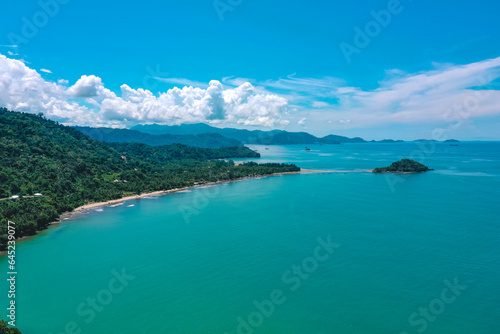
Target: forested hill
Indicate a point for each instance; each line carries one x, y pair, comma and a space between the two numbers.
71, 169
207, 140
166, 153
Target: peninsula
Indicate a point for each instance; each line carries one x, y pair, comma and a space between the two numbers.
47, 169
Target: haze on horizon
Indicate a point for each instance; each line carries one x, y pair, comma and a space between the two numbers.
373, 69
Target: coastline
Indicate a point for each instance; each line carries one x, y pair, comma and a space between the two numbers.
71, 214
81, 210
397, 172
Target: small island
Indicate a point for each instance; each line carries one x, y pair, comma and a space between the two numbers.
402, 167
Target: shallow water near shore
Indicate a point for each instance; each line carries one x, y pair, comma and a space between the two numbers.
243, 257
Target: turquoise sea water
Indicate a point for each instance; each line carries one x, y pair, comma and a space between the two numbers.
413, 253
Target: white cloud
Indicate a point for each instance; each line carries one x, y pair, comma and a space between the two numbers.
89, 86
191, 104
440, 95
426, 96
296, 90
302, 121
23, 89
89, 102
45, 70
320, 104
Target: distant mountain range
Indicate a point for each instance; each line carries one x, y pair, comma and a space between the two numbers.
273, 137
204, 135
205, 140
199, 128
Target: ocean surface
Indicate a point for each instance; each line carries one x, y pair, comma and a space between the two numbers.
340, 252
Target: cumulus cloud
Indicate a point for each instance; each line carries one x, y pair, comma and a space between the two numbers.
88, 86
89, 102
45, 70
23, 89
191, 104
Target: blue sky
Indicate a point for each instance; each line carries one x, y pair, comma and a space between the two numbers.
270, 64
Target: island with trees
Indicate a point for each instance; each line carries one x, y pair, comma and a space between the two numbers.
403, 166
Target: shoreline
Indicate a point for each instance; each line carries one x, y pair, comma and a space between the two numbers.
70, 214
397, 172
83, 210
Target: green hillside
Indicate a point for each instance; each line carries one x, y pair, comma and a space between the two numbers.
207, 140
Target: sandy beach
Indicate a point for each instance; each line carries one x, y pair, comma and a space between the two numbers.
164, 192
70, 214
81, 209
